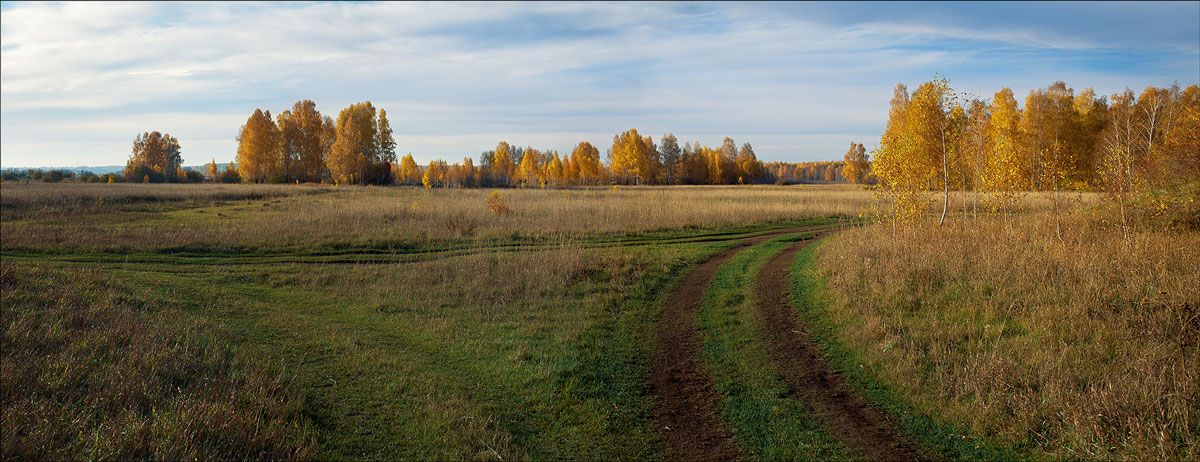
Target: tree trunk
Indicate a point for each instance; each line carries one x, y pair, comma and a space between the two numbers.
945, 182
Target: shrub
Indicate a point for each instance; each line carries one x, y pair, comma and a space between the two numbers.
230, 176
497, 204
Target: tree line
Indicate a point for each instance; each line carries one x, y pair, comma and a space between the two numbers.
939, 140
302, 145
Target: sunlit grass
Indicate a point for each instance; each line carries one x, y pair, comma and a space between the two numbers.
365, 216
1079, 348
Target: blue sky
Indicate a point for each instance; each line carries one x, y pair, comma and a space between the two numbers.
799, 81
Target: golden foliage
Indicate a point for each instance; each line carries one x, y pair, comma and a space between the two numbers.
497, 204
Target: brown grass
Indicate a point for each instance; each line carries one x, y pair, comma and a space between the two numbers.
1084, 348
366, 215
90, 373
28, 200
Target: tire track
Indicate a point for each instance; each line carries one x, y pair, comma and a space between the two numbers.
863, 429
687, 404
372, 256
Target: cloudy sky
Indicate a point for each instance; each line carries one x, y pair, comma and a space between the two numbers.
798, 81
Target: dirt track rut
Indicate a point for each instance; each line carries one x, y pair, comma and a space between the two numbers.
687, 410
864, 430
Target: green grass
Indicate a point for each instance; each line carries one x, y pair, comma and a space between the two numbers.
489, 356
377, 340
398, 250
92, 369
768, 420
939, 438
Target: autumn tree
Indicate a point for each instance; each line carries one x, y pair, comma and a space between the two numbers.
156, 157
725, 159
1182, 139
1005, 169
410, 173
693, 165
894, 163
1052, 130
570, 171
1122, 161
212, 170
230, 174
259, 147
917, 147
435, 174
633, 157
363, 150
554, 170
974, 146
385, 145
328, 138
1091, 113
749, 169
303, 144
936, 131
585, 159
530, 170
670, 152
856, 163
501, 168
1052, 136
470, 174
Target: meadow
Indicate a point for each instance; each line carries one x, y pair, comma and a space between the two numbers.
298, 322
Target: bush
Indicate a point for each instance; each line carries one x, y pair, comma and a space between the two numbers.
53, 176
277, 177
144, 173
497, 204
230, 176
193, 176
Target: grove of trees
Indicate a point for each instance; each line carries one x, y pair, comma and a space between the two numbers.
156, 158
936, 140
302, 145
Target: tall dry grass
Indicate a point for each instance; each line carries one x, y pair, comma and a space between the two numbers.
1081, 348
372, 215
31, 200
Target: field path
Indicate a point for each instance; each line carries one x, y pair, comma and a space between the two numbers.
843, 413
686, 410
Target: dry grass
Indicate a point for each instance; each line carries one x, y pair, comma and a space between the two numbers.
373, 215
1084, 348
90, 373
28, 200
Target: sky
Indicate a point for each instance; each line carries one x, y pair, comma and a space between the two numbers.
798, 81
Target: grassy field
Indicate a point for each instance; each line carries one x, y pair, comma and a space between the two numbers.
240, 321
289, 218
515, 341
1080, 348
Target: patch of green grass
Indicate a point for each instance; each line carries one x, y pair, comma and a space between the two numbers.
768, 420
397, 251
942, 439
502, 355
